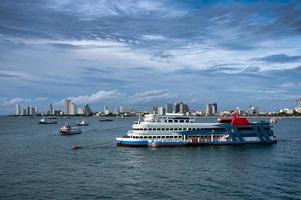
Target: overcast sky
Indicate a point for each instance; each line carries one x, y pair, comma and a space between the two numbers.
141, 53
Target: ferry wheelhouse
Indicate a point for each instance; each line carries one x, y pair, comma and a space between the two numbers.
179, 130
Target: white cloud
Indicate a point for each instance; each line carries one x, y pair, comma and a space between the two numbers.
291, 85
93, 98
153, 37
151, 95
19, 100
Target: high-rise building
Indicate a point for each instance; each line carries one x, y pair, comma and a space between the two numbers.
72, 109
50, 110
208, 109
169, 108
211, 109
120, 109
18, 109
214, 108
27, 110
298, 108
87, 110
181, 108
161, 111
67, 105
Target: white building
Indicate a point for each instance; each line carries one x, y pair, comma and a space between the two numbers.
18, 109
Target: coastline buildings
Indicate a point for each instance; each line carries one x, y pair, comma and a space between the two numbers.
181, 108
211, 109
69, 107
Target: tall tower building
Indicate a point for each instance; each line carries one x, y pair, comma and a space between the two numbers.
18, 109
298, 108
161, 111
181, 108
87, 110
50, 110
214, 108
72, 109
208, 109
169, 108
67, 107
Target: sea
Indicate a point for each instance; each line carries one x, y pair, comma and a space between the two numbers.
37, 163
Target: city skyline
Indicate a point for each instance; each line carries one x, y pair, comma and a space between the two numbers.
141, 53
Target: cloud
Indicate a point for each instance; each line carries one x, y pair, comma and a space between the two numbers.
20, 100
251, 69
279, 58
93, 98
291, 85
151, 95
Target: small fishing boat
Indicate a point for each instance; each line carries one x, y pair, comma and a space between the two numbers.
105, 119
82, 123
47, 121
74, 147
69, 130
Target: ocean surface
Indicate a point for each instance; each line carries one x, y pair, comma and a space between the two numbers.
37, 163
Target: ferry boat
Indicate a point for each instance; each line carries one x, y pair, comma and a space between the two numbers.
69, 130
179, 130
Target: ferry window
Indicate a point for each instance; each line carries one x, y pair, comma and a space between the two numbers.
163, 129
180, 129
167, 129
189, 129
176, 129
163, 136
154, 129
187, 121
167, 136
149, 136
245, 129
169, 120
171, 129
145, 129
158, 129
181, 121
176, 120
145, 137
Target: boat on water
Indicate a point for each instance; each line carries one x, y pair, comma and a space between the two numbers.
82, 123
47, 121
179, 130
69, 130
105, 119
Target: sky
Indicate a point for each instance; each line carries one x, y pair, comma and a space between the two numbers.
139, 53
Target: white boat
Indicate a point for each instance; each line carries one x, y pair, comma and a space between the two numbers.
82, 123
69, 130
47, 121
179, 130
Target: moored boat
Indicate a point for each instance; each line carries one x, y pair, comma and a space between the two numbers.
105, 119
47, 121
180, 130
82, 123
69, 130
